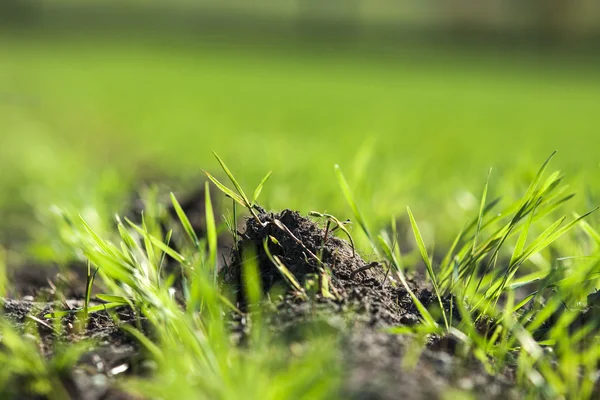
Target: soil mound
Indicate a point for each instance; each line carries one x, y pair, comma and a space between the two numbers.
367, 301
295, 239
298, 242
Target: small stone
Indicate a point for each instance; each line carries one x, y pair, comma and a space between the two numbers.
409, 319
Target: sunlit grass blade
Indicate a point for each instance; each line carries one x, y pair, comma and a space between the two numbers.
187, 226
523, 235
150, 270
546, 240
427, 260
283, 270
481, 212
524, 302
211, 231
589, 230
350, 199
233, 180
88, 287
425, 314
550, 184
226, 190
448, 267
167, 242
158, 243
536, 180
521, 284
113, 299
230, 305
104, 246
109, 266
152, 348
259, 188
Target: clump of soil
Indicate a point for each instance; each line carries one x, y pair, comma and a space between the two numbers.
297, 244
368, 302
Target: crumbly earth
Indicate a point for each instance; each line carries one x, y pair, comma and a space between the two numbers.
366, 303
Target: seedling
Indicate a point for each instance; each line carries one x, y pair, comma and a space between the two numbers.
88, 289
238, 195
382, 248
285, 272
337, 224
428, 263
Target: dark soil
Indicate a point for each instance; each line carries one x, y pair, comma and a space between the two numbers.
112, 352
33, 280
367, 302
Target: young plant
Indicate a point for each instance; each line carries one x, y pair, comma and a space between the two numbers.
238, 195
428, 264
88, 290
337, 224
191, 344
383, 247
284, 271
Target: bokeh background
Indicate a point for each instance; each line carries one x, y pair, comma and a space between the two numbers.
416, 100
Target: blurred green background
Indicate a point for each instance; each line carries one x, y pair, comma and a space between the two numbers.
415, 101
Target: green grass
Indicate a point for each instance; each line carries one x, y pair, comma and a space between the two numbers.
83, 121
82, 118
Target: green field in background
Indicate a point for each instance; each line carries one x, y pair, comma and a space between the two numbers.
83, 121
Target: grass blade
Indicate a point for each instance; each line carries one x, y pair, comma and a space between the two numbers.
115, 269
211, 231
225, 189
524, 233
427, 260
158, 243
104, 246
233, 180
536, 180
260, 187
144, 341
544, 241
187, 226
481, 211
283, 270
350, 199
113, 299
425, 314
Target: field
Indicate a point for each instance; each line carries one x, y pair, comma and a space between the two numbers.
95, 127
